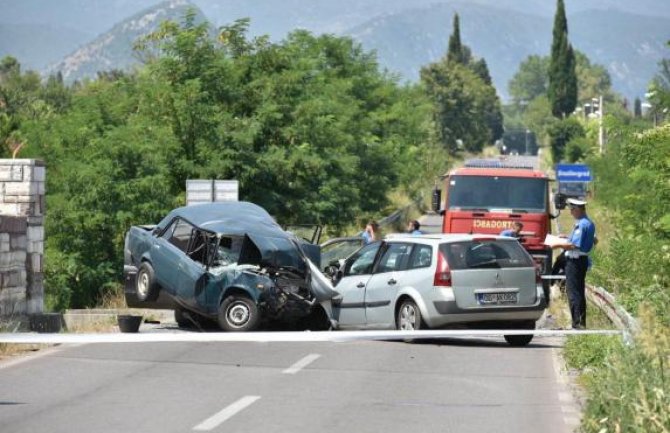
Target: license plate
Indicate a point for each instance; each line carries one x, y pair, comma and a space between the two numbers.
497, 298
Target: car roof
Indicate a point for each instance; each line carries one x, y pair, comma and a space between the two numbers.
438, 238
231, 218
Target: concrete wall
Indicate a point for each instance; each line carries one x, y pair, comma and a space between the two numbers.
22, 207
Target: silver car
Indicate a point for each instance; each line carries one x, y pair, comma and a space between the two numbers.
438, 281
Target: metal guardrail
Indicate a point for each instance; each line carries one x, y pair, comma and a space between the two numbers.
621, 318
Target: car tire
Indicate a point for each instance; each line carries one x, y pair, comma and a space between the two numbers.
146, 287
183, 318
521, 340
238, 313
408, 317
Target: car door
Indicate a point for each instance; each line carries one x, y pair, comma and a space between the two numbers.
381, 290
192, 275
349, 308
167, 253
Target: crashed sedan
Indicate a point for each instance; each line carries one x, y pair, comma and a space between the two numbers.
227, 262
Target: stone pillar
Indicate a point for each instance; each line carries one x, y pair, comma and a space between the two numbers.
22, 205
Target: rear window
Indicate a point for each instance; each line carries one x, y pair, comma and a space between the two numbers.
486, 254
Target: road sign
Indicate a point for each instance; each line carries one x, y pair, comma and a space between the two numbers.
573, 173
208, 191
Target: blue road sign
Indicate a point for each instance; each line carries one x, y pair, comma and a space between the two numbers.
573, 173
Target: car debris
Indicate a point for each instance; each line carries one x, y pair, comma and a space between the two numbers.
225, 262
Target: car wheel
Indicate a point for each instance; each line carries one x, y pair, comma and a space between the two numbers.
518, 340
146, 286
238, 313
521, 340
409, 316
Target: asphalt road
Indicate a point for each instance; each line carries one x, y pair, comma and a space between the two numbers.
458, 385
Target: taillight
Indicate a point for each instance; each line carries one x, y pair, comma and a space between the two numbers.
442, 273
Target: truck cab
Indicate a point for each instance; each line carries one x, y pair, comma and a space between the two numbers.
488, 196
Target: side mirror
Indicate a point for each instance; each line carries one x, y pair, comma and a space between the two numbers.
560, 201
437, 199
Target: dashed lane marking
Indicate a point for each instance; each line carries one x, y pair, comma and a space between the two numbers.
220, 417
304, 362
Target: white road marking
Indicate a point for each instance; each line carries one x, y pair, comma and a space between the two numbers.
322, 336
304, 362
229, 411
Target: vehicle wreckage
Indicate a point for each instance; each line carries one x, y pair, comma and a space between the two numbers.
227, 262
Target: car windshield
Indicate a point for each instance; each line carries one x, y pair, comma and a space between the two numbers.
339, 250
485, 254
497, 192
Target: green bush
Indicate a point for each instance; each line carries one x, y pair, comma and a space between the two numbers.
630, 391
560, 134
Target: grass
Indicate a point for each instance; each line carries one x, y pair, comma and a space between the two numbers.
629, 388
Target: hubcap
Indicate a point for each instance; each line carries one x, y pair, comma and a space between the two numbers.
143, 284
407, 318
238, 314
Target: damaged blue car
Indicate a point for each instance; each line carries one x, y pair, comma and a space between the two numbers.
226, 262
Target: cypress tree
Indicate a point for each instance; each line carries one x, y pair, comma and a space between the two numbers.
455, 50
482, 70
562, 91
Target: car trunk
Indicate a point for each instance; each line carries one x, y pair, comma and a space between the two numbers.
490, 273
481, 288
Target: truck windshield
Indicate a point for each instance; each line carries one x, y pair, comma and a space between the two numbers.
497, 192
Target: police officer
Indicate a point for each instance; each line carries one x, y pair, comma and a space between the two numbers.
577, 249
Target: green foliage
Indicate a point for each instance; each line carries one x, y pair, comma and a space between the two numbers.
531, 80
629, 390
593, 79
310, 127
560, 134
577, 149
467, 108
562, 89
641, 199
455, 52
590, 351
464, 105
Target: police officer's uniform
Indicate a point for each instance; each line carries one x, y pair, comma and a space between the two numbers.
576, 265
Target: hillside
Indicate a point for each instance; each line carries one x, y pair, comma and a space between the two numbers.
406, 34
408, 40
114, 49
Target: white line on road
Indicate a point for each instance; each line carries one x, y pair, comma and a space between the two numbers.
218, 418
304, 362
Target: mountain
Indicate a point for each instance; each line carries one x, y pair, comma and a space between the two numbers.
406, 41
114, 48
626, 37
37, 45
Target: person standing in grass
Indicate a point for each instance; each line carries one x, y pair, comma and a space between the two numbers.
577, 248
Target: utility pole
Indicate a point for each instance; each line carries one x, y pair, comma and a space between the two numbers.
601, 132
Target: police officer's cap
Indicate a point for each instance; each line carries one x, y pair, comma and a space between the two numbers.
575, 202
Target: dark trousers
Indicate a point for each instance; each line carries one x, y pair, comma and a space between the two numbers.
575, 281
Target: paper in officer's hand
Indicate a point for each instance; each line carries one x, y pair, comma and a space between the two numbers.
554, 241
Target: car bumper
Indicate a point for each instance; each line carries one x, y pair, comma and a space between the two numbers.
443, 310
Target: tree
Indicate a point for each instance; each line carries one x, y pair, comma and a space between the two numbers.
561, 133
463, 105
531, 80
562, 89
455, 48
467, 107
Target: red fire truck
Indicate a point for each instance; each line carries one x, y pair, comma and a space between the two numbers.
488, 196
